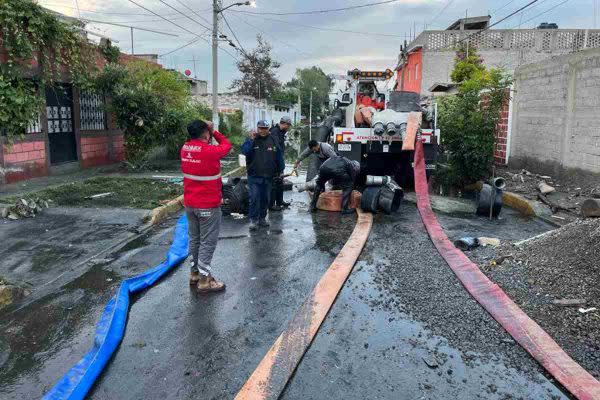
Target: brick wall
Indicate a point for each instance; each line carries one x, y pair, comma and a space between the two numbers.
95, 151
500, 148
118, 148
556, 117
25, 160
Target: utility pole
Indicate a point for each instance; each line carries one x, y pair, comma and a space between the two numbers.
310, 117
215, 69
194, 61
132, 52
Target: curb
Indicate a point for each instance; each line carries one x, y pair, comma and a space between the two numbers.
159, 214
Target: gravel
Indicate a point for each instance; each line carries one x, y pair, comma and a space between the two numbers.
562, 265
418, 282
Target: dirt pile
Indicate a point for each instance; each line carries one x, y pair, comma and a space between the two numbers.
556, 280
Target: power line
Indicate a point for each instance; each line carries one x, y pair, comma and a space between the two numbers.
280, 41
180, 47
324, 11
187, 16
316, 27
496, 23
181, 27
98, 12
544, 12
440, 13
127, 26
234, 35
191, 10
498, 9
163, 18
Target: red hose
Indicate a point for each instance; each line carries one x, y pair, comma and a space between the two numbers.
522, 328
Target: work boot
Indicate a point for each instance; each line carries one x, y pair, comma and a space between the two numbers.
194, 278
208, 284
253, 225
263, 222
276, 207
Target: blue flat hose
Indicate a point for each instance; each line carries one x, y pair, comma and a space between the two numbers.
76, 383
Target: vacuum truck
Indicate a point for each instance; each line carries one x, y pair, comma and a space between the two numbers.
373, 126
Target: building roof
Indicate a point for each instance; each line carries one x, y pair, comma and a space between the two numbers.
442, 87
462, 24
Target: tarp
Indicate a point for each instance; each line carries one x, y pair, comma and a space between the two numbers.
76, 383
522, 328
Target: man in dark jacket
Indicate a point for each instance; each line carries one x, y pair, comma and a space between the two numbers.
278, 132
264, 161
343, 173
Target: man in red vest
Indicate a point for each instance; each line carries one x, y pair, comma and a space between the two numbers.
202, 185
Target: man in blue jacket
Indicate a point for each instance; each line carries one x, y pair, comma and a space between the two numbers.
264, 161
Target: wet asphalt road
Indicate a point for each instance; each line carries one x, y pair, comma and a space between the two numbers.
402, 328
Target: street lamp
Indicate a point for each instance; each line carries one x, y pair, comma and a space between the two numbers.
310, 115
215, 52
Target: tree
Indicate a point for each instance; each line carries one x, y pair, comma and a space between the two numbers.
151, 104
259, 72
466, 63
312, 78
284, 96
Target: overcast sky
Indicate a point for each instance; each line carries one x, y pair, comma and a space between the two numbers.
297, 46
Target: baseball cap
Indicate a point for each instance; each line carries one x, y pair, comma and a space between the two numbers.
285, 120
262, 124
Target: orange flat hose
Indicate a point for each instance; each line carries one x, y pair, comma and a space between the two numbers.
412, 126
272, 374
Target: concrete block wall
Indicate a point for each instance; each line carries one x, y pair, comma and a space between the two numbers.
438, 64
556, 117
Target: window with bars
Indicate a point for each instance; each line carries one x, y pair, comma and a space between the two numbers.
93, 117
34, 126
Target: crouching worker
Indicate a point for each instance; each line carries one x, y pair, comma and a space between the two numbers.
342, 173
323, 151
202, 185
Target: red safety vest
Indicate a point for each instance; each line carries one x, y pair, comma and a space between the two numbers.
201, 167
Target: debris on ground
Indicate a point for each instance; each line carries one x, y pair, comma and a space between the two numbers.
99, 195
23, 208
10, 294
555, 278
143, 193
591, 208
469, 243
545, 188
564, 195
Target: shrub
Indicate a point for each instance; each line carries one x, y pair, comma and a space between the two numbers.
468, 123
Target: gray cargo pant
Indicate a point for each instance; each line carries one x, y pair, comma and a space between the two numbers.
203, 228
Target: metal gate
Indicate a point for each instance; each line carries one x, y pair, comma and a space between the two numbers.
61, 135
